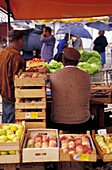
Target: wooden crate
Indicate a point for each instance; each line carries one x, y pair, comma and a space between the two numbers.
16, 146
81, 158
101, 95
22, 82
104, 157
30, 94
40, 154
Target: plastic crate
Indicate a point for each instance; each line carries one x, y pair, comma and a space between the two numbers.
97, 77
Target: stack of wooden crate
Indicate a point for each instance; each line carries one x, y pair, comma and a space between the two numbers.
30, 105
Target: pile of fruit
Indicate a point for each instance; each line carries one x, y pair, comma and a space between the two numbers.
42, 141
78, 144
30, 75
105, 142
10, 133
34, 63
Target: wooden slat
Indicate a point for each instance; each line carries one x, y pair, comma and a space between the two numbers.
39, 81
30, 93
24, 115
31, 125
38, 105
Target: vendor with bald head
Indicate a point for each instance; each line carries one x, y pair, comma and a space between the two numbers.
70, 91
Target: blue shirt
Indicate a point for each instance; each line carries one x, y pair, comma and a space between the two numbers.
61, 45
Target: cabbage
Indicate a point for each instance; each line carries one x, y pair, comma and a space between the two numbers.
88, 67
85, 55
95, 60
53, 66
95, 54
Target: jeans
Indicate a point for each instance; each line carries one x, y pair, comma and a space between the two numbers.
8, 112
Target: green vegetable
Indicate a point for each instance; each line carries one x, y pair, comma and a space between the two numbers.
85, 55
94, 60
53, 66
95, 54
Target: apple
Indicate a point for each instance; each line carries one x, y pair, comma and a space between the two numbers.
65, 150
30, 143
38, 139
14, 128
72, 151
52, 137
38, 145
64, 138
45, 144
79, 149
12, 152
18, 132
11, 137
8, 141
20, 126
52, 143
5, 127
4, 152
2, 132
9, 132
64, 141
45, 138
15, 139
3, 137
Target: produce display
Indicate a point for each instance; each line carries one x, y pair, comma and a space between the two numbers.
10, 133
41, 141
104, 142
99, 86
53, 66
76, 144
90, 61
35, 63
30, 75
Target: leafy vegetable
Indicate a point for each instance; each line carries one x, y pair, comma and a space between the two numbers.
95, 60
85, 55
53, 66
87, 67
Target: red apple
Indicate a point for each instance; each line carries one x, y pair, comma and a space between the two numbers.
79, 149
38, 145
64, 138
45, 138
72, 151
52, 143
52, 137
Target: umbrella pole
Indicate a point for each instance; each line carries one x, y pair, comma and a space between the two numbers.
8, 26
69, 40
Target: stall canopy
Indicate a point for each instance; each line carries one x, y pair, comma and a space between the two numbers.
49, 9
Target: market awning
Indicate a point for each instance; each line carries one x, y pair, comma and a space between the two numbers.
50, 9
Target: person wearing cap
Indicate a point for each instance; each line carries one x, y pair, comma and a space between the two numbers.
70, 92
10, 63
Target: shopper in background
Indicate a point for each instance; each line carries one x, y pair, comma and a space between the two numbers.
99, 45
10, 64
62, 44
70, 92
48, 41
77, 44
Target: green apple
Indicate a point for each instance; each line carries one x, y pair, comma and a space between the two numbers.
20, 126
19, 132
14, 128
2, 132
12, 152
5, 127
11, 137
2, 141
15, 139
3, 137
8, 141
9, 132
4, 153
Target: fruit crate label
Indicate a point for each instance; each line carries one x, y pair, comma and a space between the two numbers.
102, 131
76, 157
34, 115
84, 157
27, 116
